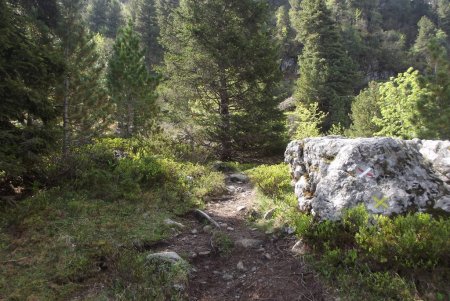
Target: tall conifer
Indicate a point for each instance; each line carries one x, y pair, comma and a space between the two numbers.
326, 71
131, 85
222, 64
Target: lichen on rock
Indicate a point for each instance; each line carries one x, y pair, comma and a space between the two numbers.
389, 176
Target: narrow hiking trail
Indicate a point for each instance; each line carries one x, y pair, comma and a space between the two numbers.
259, 267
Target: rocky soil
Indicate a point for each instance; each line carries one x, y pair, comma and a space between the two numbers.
259, 266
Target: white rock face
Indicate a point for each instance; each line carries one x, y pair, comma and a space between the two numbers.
389, 176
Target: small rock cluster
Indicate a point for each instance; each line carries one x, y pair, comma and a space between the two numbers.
389, 176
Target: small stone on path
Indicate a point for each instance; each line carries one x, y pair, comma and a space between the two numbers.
248, 243
170, 222
230, 228
227, 277
238, 177
204, 253
165, 256
241, 208
240, 266
207, 229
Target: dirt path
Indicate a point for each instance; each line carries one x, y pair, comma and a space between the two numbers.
263, 269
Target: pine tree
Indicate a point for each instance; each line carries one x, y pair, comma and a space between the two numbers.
132, 87
148, 28
443, 14
98, 16
85, 104
105, 17
221, 64
435, 110
427, 32
29, 66
326, 72
365, 108
114, 19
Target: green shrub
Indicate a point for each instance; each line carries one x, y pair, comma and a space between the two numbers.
378, 254
273, 180
412, 241
222, 242
138, 278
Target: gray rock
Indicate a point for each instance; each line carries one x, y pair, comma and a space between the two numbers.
230, 228
165, 256
179, 287
227, 277
240, 266
231, 189
289, 230
170, 222
241, 208
207, 229
267, 256
389, 176
238, 177
204, 253
248, 243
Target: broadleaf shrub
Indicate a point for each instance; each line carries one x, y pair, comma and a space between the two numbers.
378, 253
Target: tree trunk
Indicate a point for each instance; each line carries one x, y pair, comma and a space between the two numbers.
66, 104
225, 125
66, 127
130, 120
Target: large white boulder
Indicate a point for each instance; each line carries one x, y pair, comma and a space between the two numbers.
389, 176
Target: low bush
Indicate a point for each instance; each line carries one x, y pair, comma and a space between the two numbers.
384, 256
105, 208
272, 180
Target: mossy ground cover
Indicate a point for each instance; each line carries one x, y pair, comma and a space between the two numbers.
88, 236
364, 257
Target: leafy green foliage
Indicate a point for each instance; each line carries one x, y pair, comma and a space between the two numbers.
107, 209
399, 99
222, 243
272, 179
412, 241
379, 255
306, 121
141, 279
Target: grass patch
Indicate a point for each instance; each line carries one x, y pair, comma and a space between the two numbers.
88, 235
366, 257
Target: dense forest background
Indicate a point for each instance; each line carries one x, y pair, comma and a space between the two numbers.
216, 74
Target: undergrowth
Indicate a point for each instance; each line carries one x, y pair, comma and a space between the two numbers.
366, 257
87, 235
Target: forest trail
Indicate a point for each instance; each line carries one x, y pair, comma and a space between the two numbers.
259, 267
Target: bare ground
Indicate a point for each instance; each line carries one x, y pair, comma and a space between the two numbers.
268, 271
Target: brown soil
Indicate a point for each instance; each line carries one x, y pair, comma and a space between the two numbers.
271, 271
